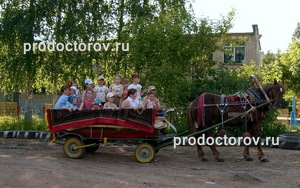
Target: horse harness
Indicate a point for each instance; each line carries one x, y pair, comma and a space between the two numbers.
251, 96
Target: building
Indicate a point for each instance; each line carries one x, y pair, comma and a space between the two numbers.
247, 50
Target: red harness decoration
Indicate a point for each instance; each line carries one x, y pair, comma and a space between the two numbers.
235, 106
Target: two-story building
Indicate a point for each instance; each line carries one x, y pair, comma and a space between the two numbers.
245, 52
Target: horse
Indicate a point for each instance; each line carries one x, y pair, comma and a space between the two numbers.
215, 110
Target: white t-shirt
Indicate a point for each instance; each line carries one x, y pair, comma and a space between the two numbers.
133, 103
116, 89
138, 87
100, 92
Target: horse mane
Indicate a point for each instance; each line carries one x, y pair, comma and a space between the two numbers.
267, 88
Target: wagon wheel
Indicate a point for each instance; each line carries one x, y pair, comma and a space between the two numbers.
70, 149
144, 153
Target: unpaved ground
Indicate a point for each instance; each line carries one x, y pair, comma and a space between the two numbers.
33, 163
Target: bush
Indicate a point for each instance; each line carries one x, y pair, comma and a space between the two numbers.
270, 126
10, 123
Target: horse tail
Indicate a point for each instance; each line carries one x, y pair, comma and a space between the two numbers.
190, 121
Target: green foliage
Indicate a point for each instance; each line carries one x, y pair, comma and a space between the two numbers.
168, 46
270, 127
10, 123
291, 63
164, 38
178, 119
296, 33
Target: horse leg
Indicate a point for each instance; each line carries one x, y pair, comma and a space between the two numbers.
201, 154
260, 154
216, 154
246, 153
213, 148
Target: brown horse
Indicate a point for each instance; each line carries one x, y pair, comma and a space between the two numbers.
217, 108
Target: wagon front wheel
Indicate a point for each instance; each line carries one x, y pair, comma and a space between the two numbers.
71, 149
144, 153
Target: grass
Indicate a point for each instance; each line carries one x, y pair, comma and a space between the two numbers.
12, 123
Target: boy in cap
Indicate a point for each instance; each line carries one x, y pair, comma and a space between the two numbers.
152, 89
101, 90
97, 104
88, 84
110, 104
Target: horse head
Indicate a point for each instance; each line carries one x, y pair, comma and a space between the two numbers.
275, 93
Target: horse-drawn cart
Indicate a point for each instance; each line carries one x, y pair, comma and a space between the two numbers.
85, 130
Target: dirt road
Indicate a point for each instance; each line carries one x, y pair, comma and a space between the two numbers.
33, 163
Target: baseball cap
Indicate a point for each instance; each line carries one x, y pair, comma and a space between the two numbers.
110, 94
73, 87
151, 88
88, 81
97, 101
100, 77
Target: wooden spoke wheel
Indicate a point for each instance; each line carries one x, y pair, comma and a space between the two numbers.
70, 149
144, 153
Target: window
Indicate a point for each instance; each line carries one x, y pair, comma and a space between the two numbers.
234, 54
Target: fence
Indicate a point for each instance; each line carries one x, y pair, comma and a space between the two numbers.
16, 110
15, 104
21, 98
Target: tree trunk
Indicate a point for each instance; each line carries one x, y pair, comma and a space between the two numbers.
30, 63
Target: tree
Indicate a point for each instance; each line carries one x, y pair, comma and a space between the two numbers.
296, 34
169, 47
291, 62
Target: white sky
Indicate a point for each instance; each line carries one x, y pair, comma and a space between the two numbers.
276, 19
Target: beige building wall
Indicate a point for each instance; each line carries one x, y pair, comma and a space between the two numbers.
252, 48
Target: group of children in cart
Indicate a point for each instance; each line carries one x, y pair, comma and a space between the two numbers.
117, 95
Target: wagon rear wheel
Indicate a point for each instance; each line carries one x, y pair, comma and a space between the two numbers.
144, 153
71, 150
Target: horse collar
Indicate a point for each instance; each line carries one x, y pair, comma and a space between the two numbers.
257, 96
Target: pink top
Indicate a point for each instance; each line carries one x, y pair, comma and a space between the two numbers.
88, 104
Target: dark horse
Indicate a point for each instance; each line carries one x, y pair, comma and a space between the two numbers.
212, 105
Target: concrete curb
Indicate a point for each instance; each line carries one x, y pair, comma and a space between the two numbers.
25, 134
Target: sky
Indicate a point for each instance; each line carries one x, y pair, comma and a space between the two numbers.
276, 20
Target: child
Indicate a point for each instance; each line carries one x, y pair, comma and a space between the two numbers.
110, 104
135, 85
72, 101
117, 89
152, 102
88, 102
97, 104
77, 89
88, 84
125, 91
72, 90
101, 90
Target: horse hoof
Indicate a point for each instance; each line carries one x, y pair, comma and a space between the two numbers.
249, 159
204, 160
264, 160
221, 160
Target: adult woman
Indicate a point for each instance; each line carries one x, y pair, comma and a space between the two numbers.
131, 100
